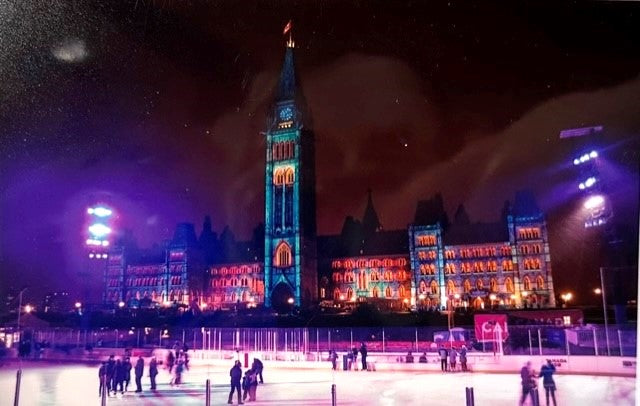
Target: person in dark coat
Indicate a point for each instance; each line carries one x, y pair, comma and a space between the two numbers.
111, 371
528, 383
153, 372
236, 375
119, 377
546, 372
463, 358
139, 371
171, 359
443, 358
253, 385
258, 367
363, 355
102, 376
354, 351
333, 357
126, 366
423, 358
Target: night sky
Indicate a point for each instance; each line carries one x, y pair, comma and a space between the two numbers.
156, 108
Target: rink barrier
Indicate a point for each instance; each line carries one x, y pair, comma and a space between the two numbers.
334, 400
469, 396
207, 400
16, 397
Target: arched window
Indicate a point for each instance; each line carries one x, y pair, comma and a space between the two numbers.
539, 283
283, 255
278, 178
451, 287
336, 294
374, 276
349, 294
434, 287
479, 284
362, 263
467, 286
508, 284
493, 285
388, 276
375, 293
401, 291
233, 296
289, 176
387, 292
526, 283
244, 296
423, 286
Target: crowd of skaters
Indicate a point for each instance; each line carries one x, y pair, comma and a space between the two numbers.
245, 386
114, 375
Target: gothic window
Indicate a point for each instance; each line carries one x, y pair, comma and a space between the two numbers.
402, 275
233, 296
479, 284
526, 283
535, 264
505, 251
362, 263
336, 264
387, 262
451, 287
507, 265
422, 255
244, 296
401, 262
283, 255
466, 286
349, 294
433, 286
401, 291
423, 286
493, 285
387, 292
450, 254
336, 294
388, 276
375, 293
374, 276
289, 176
539, 283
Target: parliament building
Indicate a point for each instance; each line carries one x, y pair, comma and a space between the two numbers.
433, 263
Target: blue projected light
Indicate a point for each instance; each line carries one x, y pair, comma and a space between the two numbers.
100, 211
99, 230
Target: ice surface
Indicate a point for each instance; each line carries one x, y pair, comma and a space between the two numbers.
72, 384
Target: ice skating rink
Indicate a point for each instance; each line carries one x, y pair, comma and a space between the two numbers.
73, 384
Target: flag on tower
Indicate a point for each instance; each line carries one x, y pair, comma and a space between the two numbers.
287, 28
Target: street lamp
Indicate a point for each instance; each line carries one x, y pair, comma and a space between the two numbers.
121, 304
597, 291
28, 309
566, 298
290, 300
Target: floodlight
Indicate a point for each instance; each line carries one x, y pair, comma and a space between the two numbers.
99, 230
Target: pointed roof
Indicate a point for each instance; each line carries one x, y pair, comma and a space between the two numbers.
370, 221
286, 89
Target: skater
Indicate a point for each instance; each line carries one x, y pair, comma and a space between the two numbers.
139, 371
102, 376
111, 371
236, 374
409, 358
528, 383
178, 372
443, 358
363, 355
253, 385
333, 357
453, 355
463, 358
258, 367
354, 351
126, 365
546, 372
171, 359
118, 378
423, 358
153, 372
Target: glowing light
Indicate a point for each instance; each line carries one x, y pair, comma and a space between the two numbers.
78, 305
597, 291
105, 243
121, 305
406, 301
290, 300
493, 297
105, 256
99, 230
70, 50
513, 297
525, 293
91, 255
421, 296
28, 308
203, 306
576, 161
594, 202
567, 296
590, 182
593, 154
581, 186
456, 296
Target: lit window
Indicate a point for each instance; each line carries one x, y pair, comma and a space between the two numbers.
526, 282
283, 255
434, 287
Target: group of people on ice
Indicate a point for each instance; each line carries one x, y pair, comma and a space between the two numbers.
449, 358
352, 358
115, 374
246, 386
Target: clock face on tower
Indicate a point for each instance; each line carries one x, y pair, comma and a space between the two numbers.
286, 114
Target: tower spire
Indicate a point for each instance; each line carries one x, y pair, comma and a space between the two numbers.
370, 220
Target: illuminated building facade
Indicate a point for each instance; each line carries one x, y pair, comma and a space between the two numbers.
290, 268
431, 264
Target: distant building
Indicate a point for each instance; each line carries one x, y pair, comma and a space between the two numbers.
433, 263
57, 302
